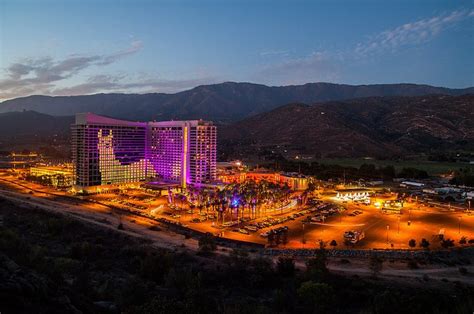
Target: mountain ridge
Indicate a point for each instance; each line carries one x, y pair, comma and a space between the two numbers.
224, 103
375, 126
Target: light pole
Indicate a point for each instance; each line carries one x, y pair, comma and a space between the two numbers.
322, 228
398, 229
460, 218
304, 240
388, 227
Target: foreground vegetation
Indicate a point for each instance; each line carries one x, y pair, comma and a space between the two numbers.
53, 264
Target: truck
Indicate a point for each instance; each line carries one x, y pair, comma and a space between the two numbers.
353, 236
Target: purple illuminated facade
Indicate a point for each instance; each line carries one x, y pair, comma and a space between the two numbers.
108, 151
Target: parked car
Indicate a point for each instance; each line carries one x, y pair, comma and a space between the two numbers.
243, 231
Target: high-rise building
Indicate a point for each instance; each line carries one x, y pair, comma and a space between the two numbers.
202, 152
109, 151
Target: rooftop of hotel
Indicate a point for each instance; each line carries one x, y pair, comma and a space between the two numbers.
92, 118
353, 190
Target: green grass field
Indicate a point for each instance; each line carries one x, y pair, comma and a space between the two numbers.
432, 167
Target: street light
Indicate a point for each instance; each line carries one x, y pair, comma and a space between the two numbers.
388, 227
398, 230
304, 240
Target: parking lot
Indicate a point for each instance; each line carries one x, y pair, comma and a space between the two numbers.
294, 226
304, 227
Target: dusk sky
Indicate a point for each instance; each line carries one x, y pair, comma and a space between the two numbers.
85, 47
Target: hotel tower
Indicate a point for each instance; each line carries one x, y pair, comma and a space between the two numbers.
109, 151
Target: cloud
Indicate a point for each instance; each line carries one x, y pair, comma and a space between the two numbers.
136, 46
39, 75
271, 53
414, 33
331, 66
121, 83
47, 76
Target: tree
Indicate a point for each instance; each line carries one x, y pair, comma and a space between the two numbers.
375, 265
278, 238
388, 171
412, 243
311, 186
333, 243
271, 238
284, 236
286, 266
317, 295
207, 243
463, 241
447, 243
316, 268
424, 243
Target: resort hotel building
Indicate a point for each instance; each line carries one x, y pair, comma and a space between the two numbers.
108, 151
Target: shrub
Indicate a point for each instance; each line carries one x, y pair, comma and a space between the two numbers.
412, 264
286, 266
207, 243
447, 243
318, 295
375, 265
424, 243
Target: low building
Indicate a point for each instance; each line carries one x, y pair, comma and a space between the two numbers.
57, 176
412, 184
354, 194
296, 182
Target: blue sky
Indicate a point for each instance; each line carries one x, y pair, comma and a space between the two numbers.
84, 47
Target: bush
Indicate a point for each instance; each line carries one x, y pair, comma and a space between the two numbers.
286, 266
207, 243
424, 243
375, 265
412, 264
155, 266
316, 268
412, 243
318, 295
447, 243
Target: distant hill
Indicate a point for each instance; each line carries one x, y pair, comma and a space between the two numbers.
376, 126
224, 102
30, 123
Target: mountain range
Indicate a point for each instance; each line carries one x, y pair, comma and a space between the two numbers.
317, 119
223, 103
31, 123
375, 126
